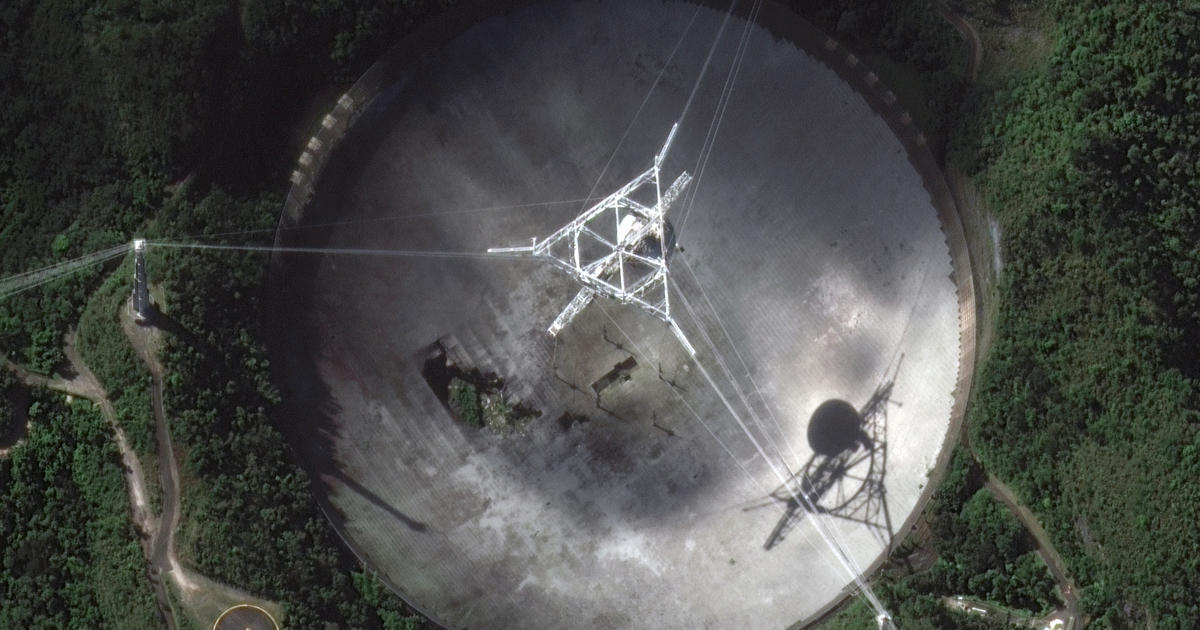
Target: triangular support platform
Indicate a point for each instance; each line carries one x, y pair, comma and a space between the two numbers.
618, 248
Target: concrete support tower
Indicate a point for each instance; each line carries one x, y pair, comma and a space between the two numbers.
141, 288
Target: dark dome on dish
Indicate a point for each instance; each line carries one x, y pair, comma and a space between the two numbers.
835, 427
809, 260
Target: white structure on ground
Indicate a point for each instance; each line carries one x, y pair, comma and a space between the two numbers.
618, 248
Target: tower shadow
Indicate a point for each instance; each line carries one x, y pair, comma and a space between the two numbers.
844, 477
308, 416
155, 318
350, 484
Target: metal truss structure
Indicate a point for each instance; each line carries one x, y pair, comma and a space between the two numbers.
618, 248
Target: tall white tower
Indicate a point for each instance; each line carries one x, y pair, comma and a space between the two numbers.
141, 289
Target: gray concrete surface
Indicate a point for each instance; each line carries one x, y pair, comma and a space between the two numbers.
820, 272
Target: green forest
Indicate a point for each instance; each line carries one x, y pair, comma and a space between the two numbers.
167, 119
164, 119
980, 551
71, 556
1088, 401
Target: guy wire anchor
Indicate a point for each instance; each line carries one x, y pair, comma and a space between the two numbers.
618, 248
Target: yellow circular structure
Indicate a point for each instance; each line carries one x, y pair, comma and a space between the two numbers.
245, 617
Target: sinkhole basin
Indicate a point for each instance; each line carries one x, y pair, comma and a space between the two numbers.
813, 266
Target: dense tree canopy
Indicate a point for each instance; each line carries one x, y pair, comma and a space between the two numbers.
252, 521
907, 41
70, 554
166, 119
8, 408
105, 106
1090, 402
983, 551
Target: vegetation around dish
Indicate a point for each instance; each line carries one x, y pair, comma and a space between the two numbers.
464, 402
163, 119
476, 398
103, 345
1088, 401
166, 119
70, 553
482, 403
11, 424
911, 43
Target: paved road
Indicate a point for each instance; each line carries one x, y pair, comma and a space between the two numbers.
163, 558
164, 541
1005, 494
1012, 618
964, 28
85, 385
1045, 547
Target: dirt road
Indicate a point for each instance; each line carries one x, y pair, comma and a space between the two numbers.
203, 599
964, 28
145, 341
998, 488
1045, 547
85, 385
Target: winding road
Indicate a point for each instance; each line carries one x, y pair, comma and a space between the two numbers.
85, 385
159, 547
1045, 548
197, 591
969, 34
162, 544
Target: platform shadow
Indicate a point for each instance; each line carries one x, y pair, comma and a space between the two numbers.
844, 477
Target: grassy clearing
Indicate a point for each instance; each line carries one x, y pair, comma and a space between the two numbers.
1013, 48
103, 346
203, 600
